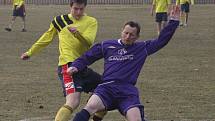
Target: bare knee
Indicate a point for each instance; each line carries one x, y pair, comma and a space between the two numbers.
94, 104
133, 114
73, 100
92, 108
133, 118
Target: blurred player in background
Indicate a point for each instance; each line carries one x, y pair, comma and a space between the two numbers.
18, 10
76, 32
185, 9
162, 9
123, 60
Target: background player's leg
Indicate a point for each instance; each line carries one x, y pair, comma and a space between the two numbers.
9, 28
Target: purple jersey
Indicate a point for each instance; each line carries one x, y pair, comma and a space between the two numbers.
122, 63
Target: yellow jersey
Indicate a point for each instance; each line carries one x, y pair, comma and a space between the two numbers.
18, 3
161, 5
70, 46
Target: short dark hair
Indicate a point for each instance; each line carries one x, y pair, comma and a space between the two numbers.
133, 24
78, 1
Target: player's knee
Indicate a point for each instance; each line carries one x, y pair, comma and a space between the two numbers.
73, 101
135, 114
91, 108
135, 118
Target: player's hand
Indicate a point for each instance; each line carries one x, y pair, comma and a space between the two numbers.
24, 56
72, 29
71, 70
175, 13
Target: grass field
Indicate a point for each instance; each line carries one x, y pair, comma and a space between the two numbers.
176, 84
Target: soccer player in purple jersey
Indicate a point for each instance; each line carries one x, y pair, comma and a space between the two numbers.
123, 60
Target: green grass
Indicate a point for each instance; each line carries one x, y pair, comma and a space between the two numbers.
177, 83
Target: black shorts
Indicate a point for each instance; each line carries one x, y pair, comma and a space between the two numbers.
19, 12
185, 7
161, 17
83, 81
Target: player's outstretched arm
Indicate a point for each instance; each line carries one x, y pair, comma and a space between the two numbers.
166, 34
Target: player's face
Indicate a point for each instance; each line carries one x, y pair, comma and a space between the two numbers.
77, 10
129, 34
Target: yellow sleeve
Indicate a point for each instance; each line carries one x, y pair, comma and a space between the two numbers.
20, 3
43, 41
90, 33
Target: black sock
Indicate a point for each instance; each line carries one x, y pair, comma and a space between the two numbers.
83, 115
96, 118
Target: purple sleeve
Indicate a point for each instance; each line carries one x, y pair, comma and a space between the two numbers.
166, 34
89, 57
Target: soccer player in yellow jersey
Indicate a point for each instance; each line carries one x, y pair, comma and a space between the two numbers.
76, 32
18, 10
162, 9
185, 9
